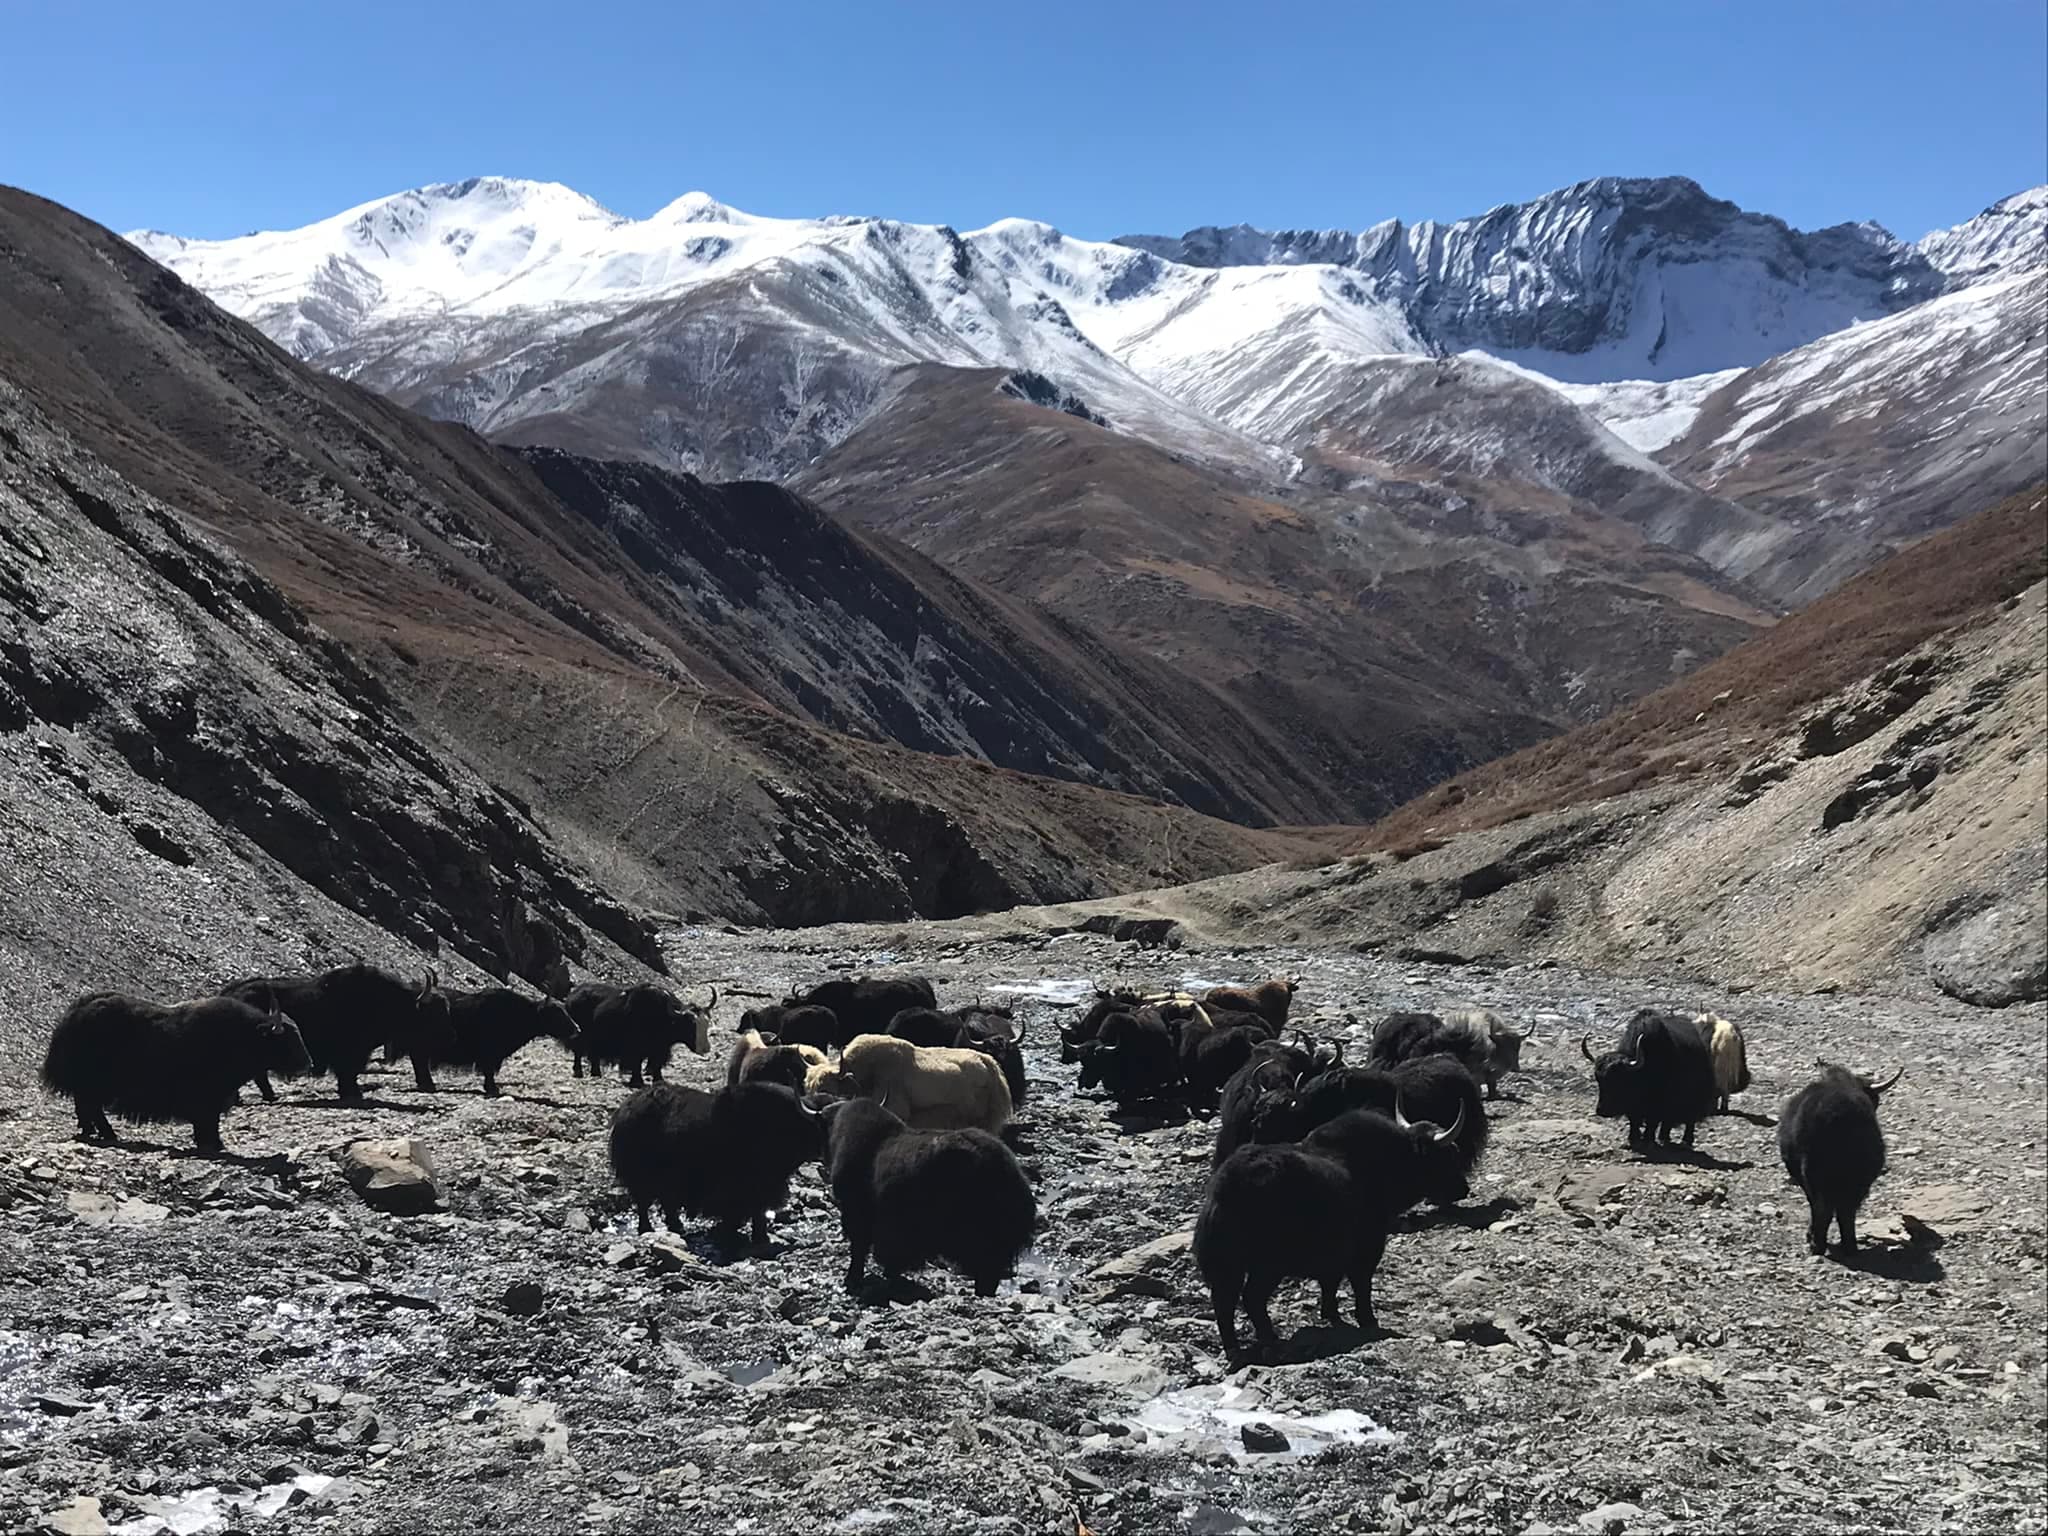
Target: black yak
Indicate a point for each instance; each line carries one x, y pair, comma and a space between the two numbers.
1661, 1076
345, 1014
1132, 1057
1435, 1088
794, 1024
913, 1197
1482, 1041
727, 1155
149, 1062
1269, 1076
486, 1027
1829, 1138
1320, 1209
635, 1027
864, 1005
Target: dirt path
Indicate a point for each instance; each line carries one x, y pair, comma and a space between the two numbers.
1597, 1343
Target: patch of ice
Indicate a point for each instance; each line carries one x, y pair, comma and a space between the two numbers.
203, 1510
1062, 992
1220, 1412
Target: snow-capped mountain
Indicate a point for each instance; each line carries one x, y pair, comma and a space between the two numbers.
708, 339
1610, 279
2009, 236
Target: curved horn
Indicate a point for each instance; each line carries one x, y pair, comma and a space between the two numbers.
1586, 1050
1338, 1047
1457, 1125
1017, 1028
428, 982
712, 1006
1400, 1115
1885, 1086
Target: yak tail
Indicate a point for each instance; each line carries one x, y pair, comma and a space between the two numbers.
1741, 1065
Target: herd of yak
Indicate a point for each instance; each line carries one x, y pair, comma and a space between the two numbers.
907, 1107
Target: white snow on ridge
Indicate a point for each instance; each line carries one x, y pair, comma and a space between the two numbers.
1233, 353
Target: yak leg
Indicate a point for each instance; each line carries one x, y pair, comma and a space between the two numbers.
92, 1122
491, 1080
576, 1064
262, 1082
422, 1075
1690, 1125
1845, 1217
1223, 1296
1258, 1292
653, 1072
206, 1132
635, 1079
644, 1210
346, 1088
1367, 1263
1817, 1227
672, 1213
760, 1228
857, 1263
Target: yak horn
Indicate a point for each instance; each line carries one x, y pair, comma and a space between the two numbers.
1586, 1050
427, 986
1457, 1125
1885, 1086
1400, 1115
712, 1006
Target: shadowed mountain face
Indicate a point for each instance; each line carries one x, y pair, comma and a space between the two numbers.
1380, 632
640, 663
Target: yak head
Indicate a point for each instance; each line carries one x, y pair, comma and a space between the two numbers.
279, 1044
691, 1025
1868, 1087
1507, 1043
1439, 1159
1619, 1078
550, 1018
1095, 1058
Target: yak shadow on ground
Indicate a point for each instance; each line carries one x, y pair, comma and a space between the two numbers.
1909, 1263
277, 1163
1687, 1157
1751, 1116
1318, 1341
1476, 1217
366, 1102
1143, 1116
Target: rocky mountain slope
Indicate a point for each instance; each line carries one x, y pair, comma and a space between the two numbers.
1380, 630
1797, 389
1854, 799
571, 649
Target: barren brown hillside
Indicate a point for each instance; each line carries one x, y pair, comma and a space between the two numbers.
1713, 718
633, 702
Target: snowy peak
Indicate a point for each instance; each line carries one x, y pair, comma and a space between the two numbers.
1609, 279
2009, 236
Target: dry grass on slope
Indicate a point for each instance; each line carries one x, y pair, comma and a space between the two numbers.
1709, 720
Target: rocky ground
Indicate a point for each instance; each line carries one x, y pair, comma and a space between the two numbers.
1597, 1342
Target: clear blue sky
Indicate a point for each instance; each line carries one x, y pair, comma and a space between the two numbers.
1104, 118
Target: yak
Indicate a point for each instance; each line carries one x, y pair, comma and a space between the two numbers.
345, 1014
727, 1155
1660, 1077
635, 1027
149, 1062
486, 1027
1833, 1149
912, 1197
1320, 1209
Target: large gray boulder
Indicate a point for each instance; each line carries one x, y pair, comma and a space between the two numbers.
395, 1175
1994, 956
